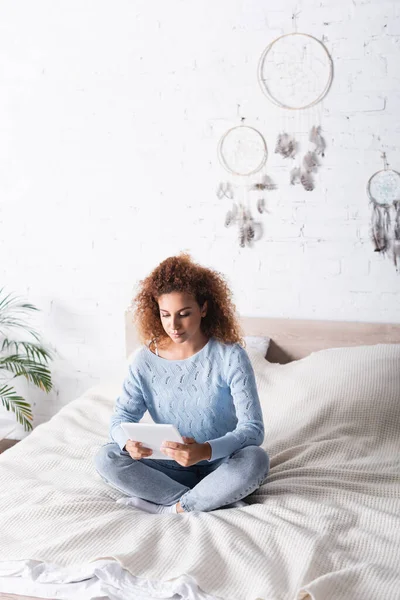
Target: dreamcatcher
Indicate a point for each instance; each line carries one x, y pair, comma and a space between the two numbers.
295, 72
383, 189
243, 152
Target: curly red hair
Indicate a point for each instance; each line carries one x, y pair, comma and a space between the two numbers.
181, 274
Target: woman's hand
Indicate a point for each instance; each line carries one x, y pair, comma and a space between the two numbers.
136, 450
187, 454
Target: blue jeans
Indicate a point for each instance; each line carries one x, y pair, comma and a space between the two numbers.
197, 488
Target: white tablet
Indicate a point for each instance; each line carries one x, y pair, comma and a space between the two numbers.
152, 435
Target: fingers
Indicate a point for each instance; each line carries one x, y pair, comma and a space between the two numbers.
141, 454
174, 445
137, 445
136, 450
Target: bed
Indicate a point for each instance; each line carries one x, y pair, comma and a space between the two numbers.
324, 525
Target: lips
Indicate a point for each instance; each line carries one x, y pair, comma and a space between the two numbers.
177, 334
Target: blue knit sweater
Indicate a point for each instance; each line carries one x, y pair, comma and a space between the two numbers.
210, 396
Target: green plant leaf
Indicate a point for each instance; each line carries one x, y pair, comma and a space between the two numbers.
13, 303
9, 322
22, 365
11, 306
23, 358
21, 408
31, 349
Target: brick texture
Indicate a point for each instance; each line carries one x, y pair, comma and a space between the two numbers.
110, 120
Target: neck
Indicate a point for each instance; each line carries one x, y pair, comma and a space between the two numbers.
188, 348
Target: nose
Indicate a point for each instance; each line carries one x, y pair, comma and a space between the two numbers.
174, 324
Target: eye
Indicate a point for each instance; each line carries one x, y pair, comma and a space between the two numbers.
181, 315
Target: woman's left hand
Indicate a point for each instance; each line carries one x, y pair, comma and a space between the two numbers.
186, 454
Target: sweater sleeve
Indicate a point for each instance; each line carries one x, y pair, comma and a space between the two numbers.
130, 407
249, 430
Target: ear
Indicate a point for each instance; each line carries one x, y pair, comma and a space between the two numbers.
204, 309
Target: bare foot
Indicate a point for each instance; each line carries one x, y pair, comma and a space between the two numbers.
179, 508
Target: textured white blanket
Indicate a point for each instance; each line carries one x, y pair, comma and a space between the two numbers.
325, 524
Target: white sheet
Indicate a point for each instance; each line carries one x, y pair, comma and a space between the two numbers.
99, 580
325, 523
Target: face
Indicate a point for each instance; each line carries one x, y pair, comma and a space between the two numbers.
180, 315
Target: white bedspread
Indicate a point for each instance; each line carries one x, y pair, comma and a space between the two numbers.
324, 525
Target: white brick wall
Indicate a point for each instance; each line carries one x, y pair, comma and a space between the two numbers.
110, 115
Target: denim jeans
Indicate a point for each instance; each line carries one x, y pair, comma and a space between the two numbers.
198, 487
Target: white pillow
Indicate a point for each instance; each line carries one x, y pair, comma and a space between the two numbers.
257, 343
335, 408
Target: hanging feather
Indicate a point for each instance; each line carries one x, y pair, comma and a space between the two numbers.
307, 181
224, 190
242, 235
271, 185
310, 161
396, 230
286, 145
241, 225
248, 226
396, 236
261, 205
266, 184
247, 215
229, 218
250, 232
295, 175
379, 229
231, 215
386, 223
317, 139
396, 254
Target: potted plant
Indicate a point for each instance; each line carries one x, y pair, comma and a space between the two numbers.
20, 358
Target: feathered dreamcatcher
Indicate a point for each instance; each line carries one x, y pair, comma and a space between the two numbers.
383, 189
243, 152
295, 72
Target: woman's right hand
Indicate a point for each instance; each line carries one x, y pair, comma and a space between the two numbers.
136, 450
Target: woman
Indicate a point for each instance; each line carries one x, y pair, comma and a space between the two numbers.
195, 374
